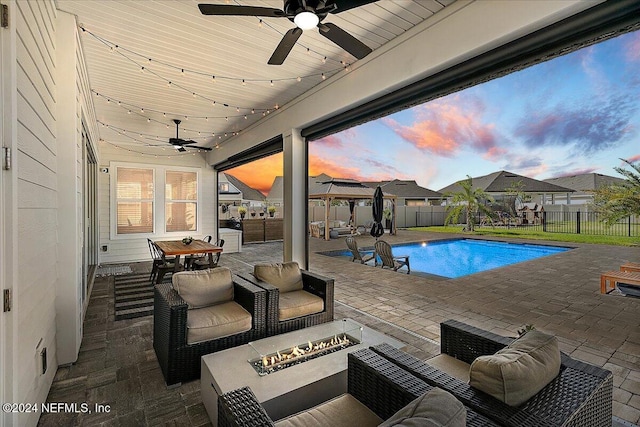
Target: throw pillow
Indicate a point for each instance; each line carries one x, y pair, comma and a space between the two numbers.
285, 276
517, 372
435, 408
203, 288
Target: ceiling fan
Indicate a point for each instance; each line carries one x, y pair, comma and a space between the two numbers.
306, 14
180, 144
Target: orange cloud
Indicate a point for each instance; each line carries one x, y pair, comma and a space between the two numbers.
634, 159
260, 174
318, 165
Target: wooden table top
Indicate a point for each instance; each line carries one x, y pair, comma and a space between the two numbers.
176, 247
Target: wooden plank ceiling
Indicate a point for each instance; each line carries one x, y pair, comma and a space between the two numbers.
153, 61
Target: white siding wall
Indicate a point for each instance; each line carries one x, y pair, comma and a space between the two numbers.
135, 248
36, 166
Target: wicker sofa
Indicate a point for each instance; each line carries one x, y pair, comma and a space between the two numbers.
581, 394
312, 283
383, 387
179, 359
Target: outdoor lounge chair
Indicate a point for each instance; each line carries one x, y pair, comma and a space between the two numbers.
580, 395
296, 298
630, 267
609, 279
377, 390
383, 250
189, 322
357, 254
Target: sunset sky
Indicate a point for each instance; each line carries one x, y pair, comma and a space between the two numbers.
579, 113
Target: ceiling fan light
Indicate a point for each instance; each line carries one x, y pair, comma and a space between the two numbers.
306, 20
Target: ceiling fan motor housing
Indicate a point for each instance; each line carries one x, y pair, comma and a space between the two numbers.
293, 7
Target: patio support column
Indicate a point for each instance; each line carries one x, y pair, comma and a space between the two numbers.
295, 197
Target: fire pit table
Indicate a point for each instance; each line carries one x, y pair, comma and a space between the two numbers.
290, 372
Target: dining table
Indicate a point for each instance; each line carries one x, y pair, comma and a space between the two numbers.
177, 248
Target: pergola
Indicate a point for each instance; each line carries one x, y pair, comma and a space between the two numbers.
346, 189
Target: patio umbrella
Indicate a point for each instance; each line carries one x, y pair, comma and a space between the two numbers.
377, 206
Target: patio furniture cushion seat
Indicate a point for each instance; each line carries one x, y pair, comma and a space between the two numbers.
286, 276
298, 303
435, 408
517, 372
342, 411
204, 287
217, 321
452, 366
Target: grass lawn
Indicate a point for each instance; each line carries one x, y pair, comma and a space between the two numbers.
523, 233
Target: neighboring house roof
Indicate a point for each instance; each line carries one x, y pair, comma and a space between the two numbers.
586, 182
405, 189
248, 193
501, 181
277, 189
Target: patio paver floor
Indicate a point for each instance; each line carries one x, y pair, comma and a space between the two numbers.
559, 295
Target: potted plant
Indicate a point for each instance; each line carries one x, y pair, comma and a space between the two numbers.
242, 211
187, 240
387, 218
253, 213
271, 210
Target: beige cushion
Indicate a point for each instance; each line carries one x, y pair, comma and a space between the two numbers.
217, 321
435, 408
286, 277
204, 287
517, 372
343, 411
452, 366
298, 303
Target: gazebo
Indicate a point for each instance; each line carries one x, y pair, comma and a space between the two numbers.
346, 189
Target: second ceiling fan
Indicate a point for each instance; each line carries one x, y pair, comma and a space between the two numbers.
306, 14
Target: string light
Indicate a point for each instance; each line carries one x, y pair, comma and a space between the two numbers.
113, 47
129, 106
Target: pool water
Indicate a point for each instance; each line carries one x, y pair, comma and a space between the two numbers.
457, 258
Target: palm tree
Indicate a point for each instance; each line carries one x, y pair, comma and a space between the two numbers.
469, 200
617, 201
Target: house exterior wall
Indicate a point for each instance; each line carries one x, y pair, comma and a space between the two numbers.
45, 99
135, 248
36, 167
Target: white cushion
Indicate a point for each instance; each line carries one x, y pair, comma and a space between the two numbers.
204, 287
517, 372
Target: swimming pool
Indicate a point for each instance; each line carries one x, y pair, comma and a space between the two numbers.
457, 258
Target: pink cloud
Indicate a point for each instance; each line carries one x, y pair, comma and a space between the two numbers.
573, 172
495, 153
632, 47
330, 141
634, 159
445, 126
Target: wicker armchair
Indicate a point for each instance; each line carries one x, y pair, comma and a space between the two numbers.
581, 394
314, 284
179, 360
380, 385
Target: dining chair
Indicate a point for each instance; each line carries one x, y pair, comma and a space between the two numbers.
203, 262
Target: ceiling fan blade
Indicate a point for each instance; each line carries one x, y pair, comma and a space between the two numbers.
342, 5
199, 148
286, 44
345, 40
234, 10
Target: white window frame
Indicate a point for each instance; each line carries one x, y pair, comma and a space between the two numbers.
159, 202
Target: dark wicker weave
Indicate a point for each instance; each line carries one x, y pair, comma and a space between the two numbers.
581, 395
313, 283
180, 361
379, 384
